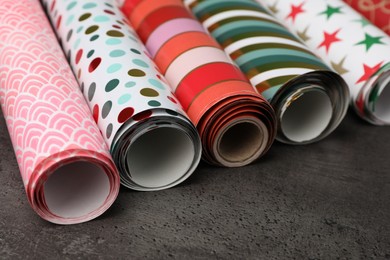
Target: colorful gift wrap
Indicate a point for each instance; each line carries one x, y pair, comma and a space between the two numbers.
347, 42
64, 162
153, 143
377, 11
236, 124
309, 99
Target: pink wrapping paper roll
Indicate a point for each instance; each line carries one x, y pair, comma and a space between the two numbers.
64, 162
377, 11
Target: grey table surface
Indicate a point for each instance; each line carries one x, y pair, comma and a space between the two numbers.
326, 200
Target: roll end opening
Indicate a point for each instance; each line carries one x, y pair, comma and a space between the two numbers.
76, 190
160, 158
378, 100
306, 115
241, 142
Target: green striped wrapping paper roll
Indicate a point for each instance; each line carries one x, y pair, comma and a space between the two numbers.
309, 99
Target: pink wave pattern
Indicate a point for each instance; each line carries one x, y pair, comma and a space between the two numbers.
48, 120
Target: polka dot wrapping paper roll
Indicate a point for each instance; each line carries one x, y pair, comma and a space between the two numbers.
377, 11
65, 165
352, 46
309, 99
235, 123
153, 143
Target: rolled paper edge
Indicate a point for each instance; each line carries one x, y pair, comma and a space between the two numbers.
374, 93
259, 140
132, 130
35, 187
331, 83
263, 117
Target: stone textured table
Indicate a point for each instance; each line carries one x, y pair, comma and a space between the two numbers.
320, 201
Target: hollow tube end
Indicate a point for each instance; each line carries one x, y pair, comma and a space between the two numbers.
373, 100
241, 142
310, 107
74, 190
158, 153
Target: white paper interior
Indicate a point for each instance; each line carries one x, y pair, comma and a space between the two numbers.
242, 141
160, 157
307, 117
382, 105
76, 189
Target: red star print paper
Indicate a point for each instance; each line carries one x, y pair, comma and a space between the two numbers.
349, 43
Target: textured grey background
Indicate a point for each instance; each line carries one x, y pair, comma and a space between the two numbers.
326, 200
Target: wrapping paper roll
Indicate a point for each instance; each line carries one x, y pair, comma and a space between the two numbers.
345, 40
309, 99
377, 11
153, 143
65, 165
236, 124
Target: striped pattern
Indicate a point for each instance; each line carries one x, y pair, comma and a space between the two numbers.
257, 43
204, 78
270, 56
47, 117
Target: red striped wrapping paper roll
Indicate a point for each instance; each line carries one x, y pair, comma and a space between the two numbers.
236, 124
66, 168
377, 11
